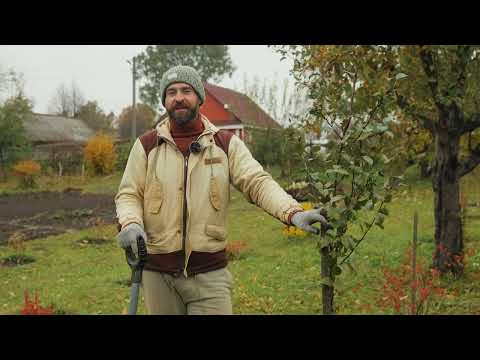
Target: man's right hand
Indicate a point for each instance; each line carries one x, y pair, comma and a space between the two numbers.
128, 237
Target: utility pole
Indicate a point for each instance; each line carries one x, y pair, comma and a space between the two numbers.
134, 120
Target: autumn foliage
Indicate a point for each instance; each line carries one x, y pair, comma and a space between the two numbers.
235, 249
27, 170
407, 292
100, 155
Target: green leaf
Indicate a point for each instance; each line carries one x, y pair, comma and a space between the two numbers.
350, 267
347, 157
401, 76
379, 220
326, 281
336, 198
369, 205
368, 159
386, 160
348, 242
324, 242
339, 171
384, 211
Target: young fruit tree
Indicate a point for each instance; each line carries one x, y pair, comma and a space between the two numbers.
355, 101
437, 87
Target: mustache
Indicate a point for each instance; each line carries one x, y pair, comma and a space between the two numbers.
180, 106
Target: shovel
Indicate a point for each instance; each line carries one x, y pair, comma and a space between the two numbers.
136, 264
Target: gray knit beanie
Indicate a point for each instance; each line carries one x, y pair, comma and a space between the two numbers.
182, 74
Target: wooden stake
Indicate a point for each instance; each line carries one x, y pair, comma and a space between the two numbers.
414, 265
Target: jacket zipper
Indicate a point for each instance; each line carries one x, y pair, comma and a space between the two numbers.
185, 213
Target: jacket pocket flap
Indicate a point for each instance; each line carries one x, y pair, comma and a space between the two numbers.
217, 232
215, 194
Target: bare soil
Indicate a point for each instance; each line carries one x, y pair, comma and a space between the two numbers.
41, 214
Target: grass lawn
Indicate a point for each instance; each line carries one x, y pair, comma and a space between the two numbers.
277, 275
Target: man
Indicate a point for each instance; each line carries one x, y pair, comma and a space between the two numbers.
175, 193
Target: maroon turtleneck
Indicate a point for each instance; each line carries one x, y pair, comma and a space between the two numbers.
185, 135
199, 262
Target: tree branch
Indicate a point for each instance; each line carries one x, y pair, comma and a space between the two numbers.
471, 124
331, 126
463, 55
354, 88
469, 163
425, 121
363, 237
426, 57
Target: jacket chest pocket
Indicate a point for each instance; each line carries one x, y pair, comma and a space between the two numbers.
155, 198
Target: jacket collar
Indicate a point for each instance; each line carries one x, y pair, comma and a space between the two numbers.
163, 131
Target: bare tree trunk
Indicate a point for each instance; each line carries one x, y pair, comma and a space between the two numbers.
327, 291
446, 186
326, 272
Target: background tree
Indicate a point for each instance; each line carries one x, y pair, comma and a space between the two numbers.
212, 62
285, 102
13, 141
67, 101
144, 120
95, 117
77, 99
441, 93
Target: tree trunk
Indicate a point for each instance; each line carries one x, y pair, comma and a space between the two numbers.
448, 226
326, 272
327, 291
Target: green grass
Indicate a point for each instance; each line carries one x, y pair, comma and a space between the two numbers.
278, 274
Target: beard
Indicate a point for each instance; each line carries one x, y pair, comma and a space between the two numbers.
183, 114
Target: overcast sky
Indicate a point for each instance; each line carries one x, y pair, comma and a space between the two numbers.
103, 74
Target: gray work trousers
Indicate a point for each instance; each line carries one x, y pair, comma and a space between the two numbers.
202, 294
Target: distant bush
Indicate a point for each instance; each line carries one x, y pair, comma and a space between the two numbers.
100, 155
27, 170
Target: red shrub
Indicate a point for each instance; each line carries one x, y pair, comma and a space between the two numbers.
34, 308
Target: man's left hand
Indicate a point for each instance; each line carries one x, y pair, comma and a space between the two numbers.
305, 219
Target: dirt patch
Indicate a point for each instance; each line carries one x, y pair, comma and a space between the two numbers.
41, 214
16, 260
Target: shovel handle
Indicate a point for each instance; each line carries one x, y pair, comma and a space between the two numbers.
132, 308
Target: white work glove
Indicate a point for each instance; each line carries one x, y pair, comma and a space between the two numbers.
304, 219
128, 237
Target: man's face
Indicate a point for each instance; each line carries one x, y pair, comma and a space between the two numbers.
182, 103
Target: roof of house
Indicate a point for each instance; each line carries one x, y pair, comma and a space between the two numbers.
242, 106
43, 128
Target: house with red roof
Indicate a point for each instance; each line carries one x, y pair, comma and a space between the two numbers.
233, 111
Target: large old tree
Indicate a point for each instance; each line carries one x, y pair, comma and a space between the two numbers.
211, 61
441, 92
